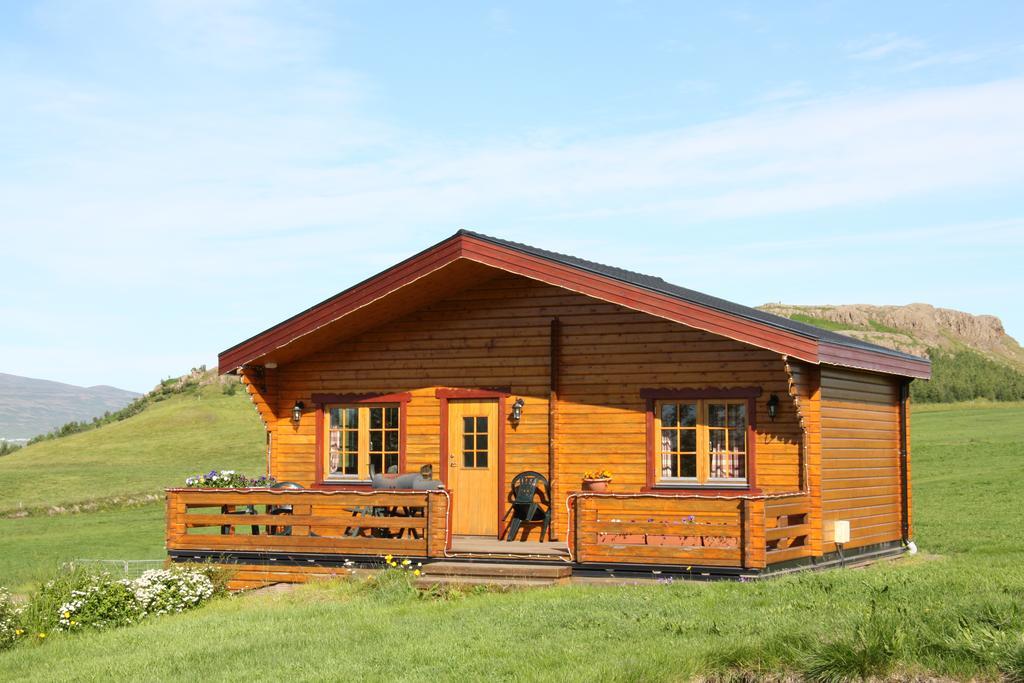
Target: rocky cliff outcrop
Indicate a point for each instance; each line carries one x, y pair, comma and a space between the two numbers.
913, 328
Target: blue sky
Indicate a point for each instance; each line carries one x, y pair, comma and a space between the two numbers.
178, 175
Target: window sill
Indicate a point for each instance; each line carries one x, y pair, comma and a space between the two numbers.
691, 489
352, 483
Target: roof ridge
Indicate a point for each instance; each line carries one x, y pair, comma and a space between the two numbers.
663, 286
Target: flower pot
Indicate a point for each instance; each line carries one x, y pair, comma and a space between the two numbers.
596, 485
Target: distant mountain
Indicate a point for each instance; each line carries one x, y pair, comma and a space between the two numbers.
972, 355
34, 406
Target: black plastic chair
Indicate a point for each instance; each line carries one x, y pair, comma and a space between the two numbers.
282, 509
228, 529
525, 507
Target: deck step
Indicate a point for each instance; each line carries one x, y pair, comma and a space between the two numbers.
493, 570
426, 582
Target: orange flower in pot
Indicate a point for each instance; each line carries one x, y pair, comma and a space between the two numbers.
597, 481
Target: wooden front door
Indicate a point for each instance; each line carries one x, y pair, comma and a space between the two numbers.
473, 466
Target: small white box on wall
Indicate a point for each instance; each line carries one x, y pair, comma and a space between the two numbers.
841, 531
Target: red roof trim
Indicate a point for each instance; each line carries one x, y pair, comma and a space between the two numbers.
833, 354
574, 279
341, 304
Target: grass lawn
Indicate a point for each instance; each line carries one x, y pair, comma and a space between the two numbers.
33, 547
162, 445
956, 610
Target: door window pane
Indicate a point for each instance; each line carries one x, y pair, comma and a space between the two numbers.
716, 415
475, 441
668, 415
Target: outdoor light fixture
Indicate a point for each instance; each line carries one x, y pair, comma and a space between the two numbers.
517, 410
297, 411
773, 407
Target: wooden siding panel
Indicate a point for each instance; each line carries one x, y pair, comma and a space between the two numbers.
860, 468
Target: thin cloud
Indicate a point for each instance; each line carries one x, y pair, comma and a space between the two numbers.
881, 46
959, 57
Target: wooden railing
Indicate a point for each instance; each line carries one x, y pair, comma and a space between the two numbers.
787, 529
651, 529
406, 523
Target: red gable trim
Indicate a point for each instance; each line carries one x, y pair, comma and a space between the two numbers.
574, 279
341, 304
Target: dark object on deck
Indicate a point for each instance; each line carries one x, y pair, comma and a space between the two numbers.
229, 510
525, 506
415, 481
281, 509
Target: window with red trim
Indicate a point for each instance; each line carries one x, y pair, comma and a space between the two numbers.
358, 436
700, 441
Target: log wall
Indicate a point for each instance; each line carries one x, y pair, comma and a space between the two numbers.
860, 468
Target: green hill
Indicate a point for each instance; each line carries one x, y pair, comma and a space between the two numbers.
199, 430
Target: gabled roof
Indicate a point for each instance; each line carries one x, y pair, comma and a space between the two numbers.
459, 258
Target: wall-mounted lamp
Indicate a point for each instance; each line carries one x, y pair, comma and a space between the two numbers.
773, 407
297, 411
517, 410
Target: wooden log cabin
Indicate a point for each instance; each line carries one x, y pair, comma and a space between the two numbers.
739, 443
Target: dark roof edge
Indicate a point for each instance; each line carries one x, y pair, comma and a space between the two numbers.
649, 283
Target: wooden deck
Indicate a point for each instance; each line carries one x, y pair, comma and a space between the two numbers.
488, 547
316, 532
